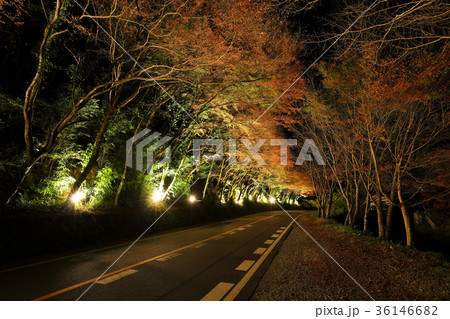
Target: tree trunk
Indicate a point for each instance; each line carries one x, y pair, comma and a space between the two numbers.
388, 221
93, 158
404, 208
407, 222
348, 203
242, 193
366, 211
320, 206
34, 87
125, 169
231, 192
173, 179
207, 181
162, 181
121, 183
26, 170
380, 216
329, 204
31, 94
390, 210
355, 205
247, 192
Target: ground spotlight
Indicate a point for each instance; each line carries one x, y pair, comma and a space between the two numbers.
77, 197
158, 196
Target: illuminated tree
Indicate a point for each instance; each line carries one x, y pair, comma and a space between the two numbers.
388, 120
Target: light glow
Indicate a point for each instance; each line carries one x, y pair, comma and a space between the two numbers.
158, 196
192, 199
272, 200
77, 197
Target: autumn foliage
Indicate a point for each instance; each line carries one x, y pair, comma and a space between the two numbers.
97, 73
384, 131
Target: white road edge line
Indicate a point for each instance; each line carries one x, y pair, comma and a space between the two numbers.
167, 257
217, 292
122, 274
241, 284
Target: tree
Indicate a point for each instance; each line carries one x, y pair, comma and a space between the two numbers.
393, 28
397, 116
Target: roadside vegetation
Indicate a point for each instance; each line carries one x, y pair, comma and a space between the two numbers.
376, 107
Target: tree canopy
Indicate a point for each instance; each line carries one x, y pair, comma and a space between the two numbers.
79, 79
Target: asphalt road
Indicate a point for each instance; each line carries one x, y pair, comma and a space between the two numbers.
222, 261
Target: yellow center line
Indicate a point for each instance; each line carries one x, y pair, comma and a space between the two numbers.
61, 291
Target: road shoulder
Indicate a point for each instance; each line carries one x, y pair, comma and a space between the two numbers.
302, 271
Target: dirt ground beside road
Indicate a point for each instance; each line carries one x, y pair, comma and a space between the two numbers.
302, 271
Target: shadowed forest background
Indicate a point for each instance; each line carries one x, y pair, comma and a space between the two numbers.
376, 106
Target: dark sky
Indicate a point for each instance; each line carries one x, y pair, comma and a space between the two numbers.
313, 24
18, 53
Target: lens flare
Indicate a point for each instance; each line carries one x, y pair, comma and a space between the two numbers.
77, 197
158, 196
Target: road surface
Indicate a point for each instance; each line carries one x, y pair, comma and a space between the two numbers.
221, 261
